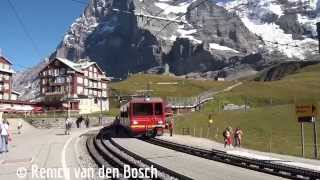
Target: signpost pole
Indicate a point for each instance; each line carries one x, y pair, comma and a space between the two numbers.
302, 138
315, 139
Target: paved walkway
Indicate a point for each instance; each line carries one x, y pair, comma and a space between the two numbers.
45, 148
191, 166
209, 144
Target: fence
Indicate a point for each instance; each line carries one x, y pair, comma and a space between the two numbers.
191, 102
281, 143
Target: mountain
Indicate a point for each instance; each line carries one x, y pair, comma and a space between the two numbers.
192, 38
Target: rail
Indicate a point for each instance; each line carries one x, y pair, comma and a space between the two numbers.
107, 153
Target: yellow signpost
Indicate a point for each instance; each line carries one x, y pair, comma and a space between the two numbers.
306, 113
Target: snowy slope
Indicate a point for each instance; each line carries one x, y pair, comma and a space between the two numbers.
254, 12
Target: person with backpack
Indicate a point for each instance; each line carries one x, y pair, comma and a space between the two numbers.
227, 137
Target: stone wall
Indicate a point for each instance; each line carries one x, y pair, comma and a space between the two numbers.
60, 122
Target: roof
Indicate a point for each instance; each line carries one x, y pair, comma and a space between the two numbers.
69, 63
6, 70
16, 92
146, 100
1, 57
80, 65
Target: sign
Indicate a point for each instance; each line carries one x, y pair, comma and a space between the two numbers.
303, 111
307, 119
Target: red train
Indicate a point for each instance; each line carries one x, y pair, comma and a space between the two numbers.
143, 116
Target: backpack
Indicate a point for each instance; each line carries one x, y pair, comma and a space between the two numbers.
224, 134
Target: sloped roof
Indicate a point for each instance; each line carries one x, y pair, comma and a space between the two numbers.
2, 57
70, 64
80, 66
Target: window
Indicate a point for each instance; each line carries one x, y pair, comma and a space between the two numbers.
142, 109
6, 96
6, 86
80, 90
158, 109
80, 80
86, 82
124, 114
62, 71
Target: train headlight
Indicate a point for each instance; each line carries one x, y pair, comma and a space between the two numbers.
135, 122
160, 122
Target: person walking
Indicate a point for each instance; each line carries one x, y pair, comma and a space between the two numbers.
87, 121
68, 126
4, 136
171, 127
237, 137
79, 121
227, 137
19, 127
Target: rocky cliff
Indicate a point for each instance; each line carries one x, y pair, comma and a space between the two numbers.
194, 38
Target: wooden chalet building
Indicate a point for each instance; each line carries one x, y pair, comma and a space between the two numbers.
83, 84
6, 72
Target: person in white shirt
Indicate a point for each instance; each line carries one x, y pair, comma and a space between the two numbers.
4, 136
0, 136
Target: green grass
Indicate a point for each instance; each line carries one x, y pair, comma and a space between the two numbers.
271, 129
183, 88
301, 87
270, 125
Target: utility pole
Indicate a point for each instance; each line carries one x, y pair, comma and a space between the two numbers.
69, 94
69, 90
318, 32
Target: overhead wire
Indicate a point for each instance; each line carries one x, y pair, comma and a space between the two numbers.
24, 28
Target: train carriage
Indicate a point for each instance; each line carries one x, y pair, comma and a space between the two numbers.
143, 116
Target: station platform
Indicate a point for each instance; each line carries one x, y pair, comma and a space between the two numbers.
208, 144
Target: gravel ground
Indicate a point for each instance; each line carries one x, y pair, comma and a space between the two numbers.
83, 157
111, 133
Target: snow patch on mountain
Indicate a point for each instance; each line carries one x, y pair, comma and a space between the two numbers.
252, 13
215, 46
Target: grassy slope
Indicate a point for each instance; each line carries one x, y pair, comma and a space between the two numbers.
271, 124
184, 88
300, 87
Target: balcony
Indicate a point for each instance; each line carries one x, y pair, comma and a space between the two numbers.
54, 93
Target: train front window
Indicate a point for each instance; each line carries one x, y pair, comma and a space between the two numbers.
142, 109
158, 109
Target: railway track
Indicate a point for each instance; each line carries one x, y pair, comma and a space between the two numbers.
268, 167
108, 154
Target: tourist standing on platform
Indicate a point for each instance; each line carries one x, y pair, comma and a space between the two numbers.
4, 136
237, 137
227, 137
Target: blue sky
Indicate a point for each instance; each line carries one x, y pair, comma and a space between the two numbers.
45, 20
